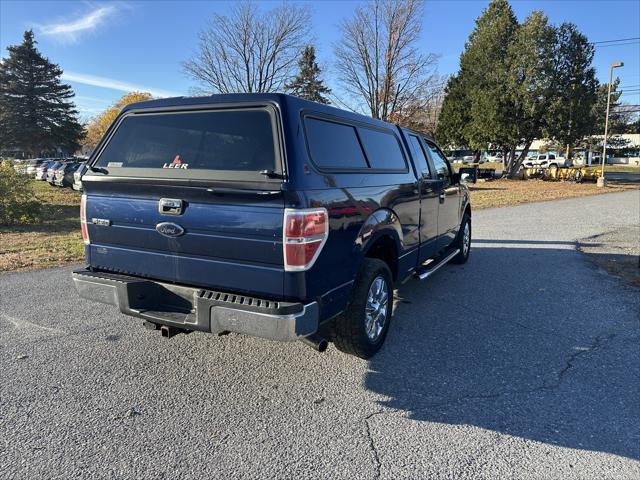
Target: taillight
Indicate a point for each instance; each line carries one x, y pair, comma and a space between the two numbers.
304, 235
83, 219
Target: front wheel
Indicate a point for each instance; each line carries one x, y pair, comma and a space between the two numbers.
362, 328
463, 241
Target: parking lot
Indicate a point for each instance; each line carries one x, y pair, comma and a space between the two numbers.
523, 363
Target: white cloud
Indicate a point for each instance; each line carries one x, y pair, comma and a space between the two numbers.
115, 84
70, 30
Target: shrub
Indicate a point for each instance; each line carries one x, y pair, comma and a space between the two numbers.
18, 204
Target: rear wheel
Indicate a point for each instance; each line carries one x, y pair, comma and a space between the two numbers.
463, 241
362, 328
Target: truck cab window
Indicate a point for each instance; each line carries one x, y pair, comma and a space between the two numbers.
440, 162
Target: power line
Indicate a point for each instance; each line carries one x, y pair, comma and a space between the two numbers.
616, 40
617, 44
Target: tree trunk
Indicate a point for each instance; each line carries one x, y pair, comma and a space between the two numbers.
476, 156
516, 164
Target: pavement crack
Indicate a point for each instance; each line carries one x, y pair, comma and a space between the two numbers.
372, 444
598, 342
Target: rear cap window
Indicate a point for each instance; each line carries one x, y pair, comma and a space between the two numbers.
229, 144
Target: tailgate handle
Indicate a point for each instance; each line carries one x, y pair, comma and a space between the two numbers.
170, 206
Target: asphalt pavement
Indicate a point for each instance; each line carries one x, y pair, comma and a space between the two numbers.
523, 363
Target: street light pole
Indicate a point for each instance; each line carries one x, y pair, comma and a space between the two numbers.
602, 182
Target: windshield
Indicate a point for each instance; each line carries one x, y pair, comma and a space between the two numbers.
177, 143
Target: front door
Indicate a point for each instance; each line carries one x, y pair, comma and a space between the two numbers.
448, 196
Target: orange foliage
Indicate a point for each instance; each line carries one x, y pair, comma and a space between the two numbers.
99, 125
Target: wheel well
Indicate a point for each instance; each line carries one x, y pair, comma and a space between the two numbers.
384, 248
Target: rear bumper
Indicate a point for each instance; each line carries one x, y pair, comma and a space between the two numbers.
199, 309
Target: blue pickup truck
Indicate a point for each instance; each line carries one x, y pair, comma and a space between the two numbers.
266, 215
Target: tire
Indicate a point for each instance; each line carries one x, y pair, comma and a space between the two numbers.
349, 330
462, 241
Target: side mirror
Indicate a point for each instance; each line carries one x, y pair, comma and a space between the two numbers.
466, 175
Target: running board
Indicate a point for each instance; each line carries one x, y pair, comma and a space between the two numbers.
429, 270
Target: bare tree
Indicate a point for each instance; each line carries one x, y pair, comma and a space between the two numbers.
249, 51
378, 60
423, 114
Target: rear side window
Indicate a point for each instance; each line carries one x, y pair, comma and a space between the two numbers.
223, 140
382, 149
421, 159
334, 145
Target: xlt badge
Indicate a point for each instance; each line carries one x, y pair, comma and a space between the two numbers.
101, 221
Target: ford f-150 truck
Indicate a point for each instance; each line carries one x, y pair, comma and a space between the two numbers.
266, 215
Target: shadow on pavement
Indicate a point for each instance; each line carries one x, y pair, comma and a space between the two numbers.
524, 340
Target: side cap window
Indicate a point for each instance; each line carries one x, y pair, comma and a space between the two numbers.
382, 149
334, 145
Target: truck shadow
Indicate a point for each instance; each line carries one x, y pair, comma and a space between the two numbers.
520, 341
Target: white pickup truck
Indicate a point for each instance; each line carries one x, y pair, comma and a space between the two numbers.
545, 160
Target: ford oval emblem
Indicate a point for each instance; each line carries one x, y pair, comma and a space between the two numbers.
169, 229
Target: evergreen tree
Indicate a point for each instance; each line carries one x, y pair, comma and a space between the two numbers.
308, 84
599, 109
575, 87
36, 113
476, 108
455, 115
531, 83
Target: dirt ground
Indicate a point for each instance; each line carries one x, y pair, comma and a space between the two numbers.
617, 252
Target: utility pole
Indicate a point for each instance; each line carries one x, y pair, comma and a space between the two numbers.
602, 182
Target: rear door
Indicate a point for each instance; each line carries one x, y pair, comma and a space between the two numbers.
428, 199
179, 196
448, 196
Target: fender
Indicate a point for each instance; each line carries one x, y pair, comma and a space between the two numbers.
466, 202
380, 223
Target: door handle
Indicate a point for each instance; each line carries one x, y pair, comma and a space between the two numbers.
170, 206
442, 196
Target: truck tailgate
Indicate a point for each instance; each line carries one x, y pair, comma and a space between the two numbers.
228, 243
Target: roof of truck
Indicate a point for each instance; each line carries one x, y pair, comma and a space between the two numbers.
280, 98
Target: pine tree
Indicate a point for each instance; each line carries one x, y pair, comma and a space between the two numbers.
575, 87
36, 113
308, 84
476, 108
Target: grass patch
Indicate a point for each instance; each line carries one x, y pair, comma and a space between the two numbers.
53, 242
496, 165
504, 192
621, 169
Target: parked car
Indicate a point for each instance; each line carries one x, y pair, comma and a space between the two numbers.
27, 167
297, 228
77, 176
64, 174
51, 171
493, 157
41, 170
461, 156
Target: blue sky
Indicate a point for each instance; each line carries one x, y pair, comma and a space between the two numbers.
108, 48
